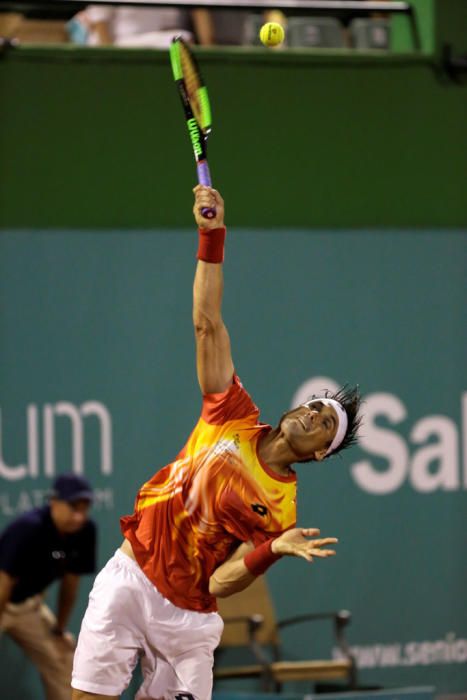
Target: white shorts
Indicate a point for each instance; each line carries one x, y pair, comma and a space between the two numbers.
127, 619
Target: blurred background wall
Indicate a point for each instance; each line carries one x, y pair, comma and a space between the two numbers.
94, 138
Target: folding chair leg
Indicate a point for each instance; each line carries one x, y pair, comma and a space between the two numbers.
267, 681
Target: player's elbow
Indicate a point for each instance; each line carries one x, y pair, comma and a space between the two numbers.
205, 325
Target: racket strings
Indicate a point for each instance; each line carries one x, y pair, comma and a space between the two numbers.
193, 85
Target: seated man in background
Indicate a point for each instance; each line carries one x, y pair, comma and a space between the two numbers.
143, 26
56, 541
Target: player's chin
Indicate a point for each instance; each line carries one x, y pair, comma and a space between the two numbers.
291, 428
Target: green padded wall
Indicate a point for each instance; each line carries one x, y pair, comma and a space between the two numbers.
96, 138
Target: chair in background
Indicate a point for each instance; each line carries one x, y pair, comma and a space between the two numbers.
250, 625
315, 32
370, 33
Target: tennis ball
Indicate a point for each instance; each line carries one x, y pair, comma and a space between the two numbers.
271, 34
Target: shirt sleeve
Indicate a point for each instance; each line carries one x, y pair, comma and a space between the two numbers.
83, 560
233, 404
15, 547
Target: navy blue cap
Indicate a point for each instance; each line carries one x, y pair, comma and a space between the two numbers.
71, 487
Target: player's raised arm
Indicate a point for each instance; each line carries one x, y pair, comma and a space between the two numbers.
213, 357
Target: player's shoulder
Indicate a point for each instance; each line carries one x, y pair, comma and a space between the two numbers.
235, 403
242, 392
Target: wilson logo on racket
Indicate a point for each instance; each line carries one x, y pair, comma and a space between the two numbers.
194, 136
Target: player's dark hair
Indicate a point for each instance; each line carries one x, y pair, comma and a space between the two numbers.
351, 400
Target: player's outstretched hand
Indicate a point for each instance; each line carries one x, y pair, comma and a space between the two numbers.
211, 199
295, 543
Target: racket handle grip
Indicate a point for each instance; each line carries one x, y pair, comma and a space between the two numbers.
204, 178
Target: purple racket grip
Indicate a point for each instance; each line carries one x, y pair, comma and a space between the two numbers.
204, 178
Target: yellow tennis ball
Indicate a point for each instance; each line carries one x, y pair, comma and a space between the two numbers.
271, 34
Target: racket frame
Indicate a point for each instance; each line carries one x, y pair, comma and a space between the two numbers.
198, 133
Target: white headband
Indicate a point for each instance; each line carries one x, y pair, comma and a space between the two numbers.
342, 421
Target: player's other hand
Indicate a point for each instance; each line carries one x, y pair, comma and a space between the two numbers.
210, 198
295, 543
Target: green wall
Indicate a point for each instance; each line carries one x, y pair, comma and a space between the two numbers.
95, 138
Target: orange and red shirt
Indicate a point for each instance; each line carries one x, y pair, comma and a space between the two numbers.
192, 514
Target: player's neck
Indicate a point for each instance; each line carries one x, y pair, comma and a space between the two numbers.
276, 453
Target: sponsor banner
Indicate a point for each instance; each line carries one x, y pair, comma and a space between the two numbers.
450, 650
47, 429
40, 428
15, 504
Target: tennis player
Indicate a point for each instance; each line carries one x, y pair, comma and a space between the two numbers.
208, 523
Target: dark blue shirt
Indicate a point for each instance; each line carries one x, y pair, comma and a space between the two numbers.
35, 553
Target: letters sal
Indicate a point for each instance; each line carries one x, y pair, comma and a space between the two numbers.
434, 464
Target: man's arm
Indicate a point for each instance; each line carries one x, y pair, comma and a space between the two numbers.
246, 563
213, 356
103, 33
7, 583
203, 25
67, 594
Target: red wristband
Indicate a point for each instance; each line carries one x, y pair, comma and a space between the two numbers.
260, 559
211, 244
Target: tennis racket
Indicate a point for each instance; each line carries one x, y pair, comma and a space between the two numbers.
195, 101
